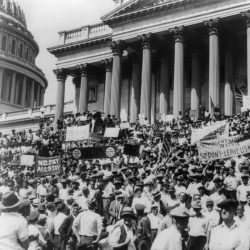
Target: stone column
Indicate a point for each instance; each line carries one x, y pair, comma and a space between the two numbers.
246, 16
214, 67
1, 82
107, 63
117, 49
23, 98
178, 98
135, 89
17, 91
164, 85
83, 101
146, 40
13, 88
77, 83
41, 96
61, 75
38, 96
229, 81
195, 85
32, 94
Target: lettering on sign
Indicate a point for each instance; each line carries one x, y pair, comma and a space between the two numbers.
48, 166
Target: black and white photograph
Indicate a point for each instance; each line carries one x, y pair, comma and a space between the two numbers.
124, 124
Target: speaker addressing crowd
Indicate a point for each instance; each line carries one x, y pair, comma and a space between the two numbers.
176, 184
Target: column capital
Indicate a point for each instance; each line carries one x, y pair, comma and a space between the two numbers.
178, 33
61, 74
212, 25
107, 63
117, 47
246, 17
83, 69
146, 40
77, 82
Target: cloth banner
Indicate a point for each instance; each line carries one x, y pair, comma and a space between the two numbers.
124, 125
77, 133
27, 160
132, 150
112, 132
246, 102
88, 153
46, 166
211, 132
223, 148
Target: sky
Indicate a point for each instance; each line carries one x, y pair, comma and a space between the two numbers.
45, 18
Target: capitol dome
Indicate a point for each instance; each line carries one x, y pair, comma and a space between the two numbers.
22, 83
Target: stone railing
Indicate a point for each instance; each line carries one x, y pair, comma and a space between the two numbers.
83, 33
22, 61
34, 112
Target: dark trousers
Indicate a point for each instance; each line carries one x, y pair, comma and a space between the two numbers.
153, 234
144, 245
106, 203
59, 243
196, 243
86, 243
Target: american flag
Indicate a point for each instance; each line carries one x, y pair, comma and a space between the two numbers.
155, 127
238, 94
166, 149
212, 104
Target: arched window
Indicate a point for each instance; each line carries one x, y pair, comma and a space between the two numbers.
27, 54
13, 47
21, 51
4, 41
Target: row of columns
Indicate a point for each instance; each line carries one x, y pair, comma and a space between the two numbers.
15, 87
141, 84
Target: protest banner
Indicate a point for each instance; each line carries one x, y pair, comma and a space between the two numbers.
77, 133
131, 150
124, 125
169, 118
112, 132
27, 160
47, 166
210, 132
246, 102
223, 148
94, 153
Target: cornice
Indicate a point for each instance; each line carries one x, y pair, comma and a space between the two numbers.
157, 10
80, 44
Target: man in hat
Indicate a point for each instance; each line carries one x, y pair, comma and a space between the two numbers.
172, 237
123, 234
26, 190
229, 234
108, 190
82, 200
172, 199
179, 186
212, 215
41, 189
198, 229
15, 235
231, 182
87, 227
241, 218
139, 199
64, 191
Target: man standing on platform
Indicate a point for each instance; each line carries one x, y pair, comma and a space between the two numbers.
108, 190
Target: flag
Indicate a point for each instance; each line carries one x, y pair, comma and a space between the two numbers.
238, 94
155, 127
166, 149
212, 104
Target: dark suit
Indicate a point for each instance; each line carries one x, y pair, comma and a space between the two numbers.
115, 210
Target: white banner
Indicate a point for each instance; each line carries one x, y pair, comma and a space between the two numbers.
77, 133
246, 102
27, 160
224, 148
212, 132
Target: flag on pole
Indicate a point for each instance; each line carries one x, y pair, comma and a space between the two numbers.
166, 149
155, 127
238, 94
212, 104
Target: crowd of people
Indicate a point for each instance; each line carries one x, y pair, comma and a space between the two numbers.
129, 202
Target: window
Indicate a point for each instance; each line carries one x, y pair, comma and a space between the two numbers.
4, 41
13, 47
21, 51
27, 54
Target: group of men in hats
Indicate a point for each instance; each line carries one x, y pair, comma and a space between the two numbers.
135, 203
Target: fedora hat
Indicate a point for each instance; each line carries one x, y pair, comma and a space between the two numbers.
128, 211
10, 200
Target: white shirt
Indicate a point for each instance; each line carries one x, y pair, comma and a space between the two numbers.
4, 189
155, 220
172, 202
213, 217
224, 238
88, 223
13, 227
143, 201
41, 190
247, 211
198, 226
58, 220
179, 189
242, 192
63, 193
82, 202
168, 239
